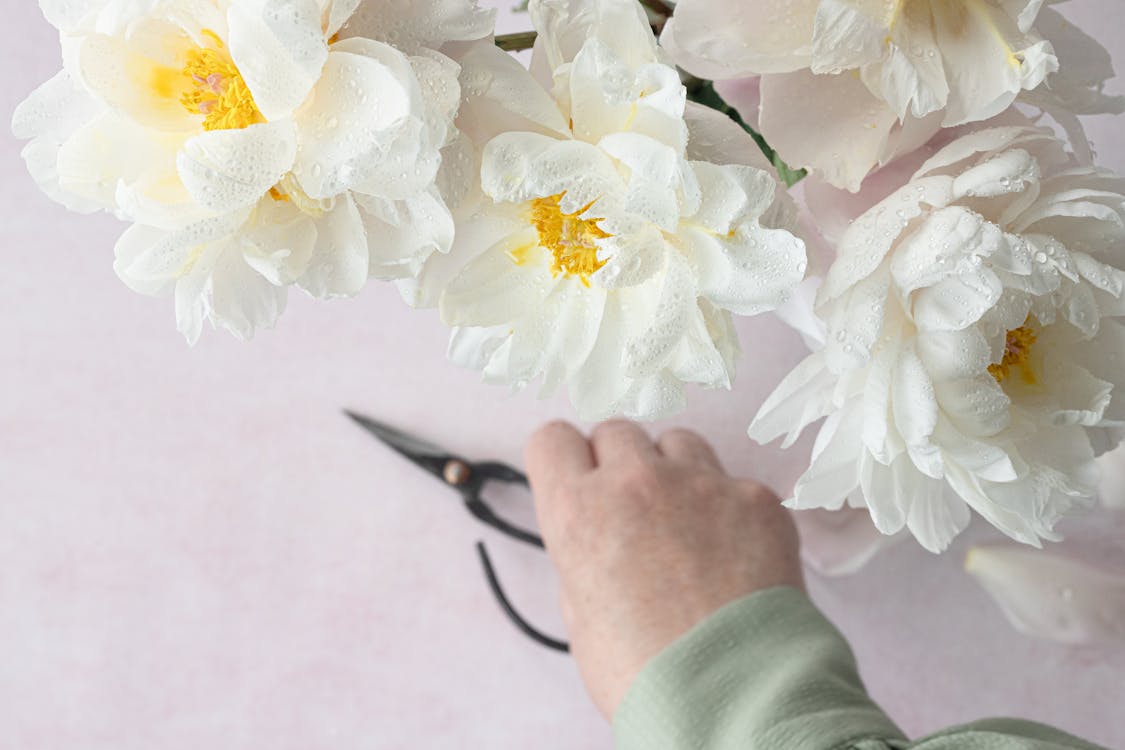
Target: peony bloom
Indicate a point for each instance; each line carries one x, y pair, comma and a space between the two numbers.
887, 75
973, 351
254, 144
606, 249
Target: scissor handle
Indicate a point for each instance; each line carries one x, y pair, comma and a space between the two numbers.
493, 471
523, 625
481, 474
496, 471
487, 516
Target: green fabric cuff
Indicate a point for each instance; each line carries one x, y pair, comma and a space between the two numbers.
765, 671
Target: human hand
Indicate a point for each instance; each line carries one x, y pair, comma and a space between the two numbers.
649, 539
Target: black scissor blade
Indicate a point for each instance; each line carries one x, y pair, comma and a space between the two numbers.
427, 455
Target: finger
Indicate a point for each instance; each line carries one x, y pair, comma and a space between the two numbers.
619, 441
688, 447
554, 453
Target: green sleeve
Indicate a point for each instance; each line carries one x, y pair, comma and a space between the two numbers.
770, 672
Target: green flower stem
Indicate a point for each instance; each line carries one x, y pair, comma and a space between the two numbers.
659, 7
703, 92
521, 40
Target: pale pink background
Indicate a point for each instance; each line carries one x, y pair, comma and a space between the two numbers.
198, 551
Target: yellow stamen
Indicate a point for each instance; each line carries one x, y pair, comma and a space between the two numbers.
571, 239
1017, 353
217, 90
290, 191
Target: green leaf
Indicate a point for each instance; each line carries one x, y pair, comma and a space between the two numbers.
703, 92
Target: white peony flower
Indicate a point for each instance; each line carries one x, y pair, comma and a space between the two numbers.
973, 349
212, 124
606, 250
886, 74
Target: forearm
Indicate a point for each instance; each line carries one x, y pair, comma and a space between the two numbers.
769, 671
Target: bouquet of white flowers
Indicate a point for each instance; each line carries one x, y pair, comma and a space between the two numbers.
597, 219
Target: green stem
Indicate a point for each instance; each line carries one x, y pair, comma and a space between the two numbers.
659, 7
521, 40
703, 92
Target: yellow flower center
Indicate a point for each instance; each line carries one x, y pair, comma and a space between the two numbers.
216, 89
290, 191
1017, 352
571, 239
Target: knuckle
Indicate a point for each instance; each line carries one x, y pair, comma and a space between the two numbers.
612, 428
551, 430
682, 436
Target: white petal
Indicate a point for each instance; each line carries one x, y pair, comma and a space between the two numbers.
1082, 398
976, 406
868, 240
937, 516
987, 59
804, 396
556, 337
363, 98
763, 267
855, 323
632, 255
846, 37
230, 169
674, 294
716, 138
731, 194
655, 397
144, 84
401, 235
495, 288
888, 491
1112, 488
278, 242
833, 473
236, 297
336, 13
71, 15
661, 183
913, 77
50, 116
850, 149
709, 41
609, 95
420, 23
501, 96
798, 313
708, 352
600, 383
1050, 596
340, 261
279, 48
473, 348
915, 404
567, 28
956, 302
148, 257
518, 167
54, 110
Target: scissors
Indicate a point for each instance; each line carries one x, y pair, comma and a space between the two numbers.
468, 479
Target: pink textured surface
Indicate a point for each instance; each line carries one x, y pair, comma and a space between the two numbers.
197, 550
